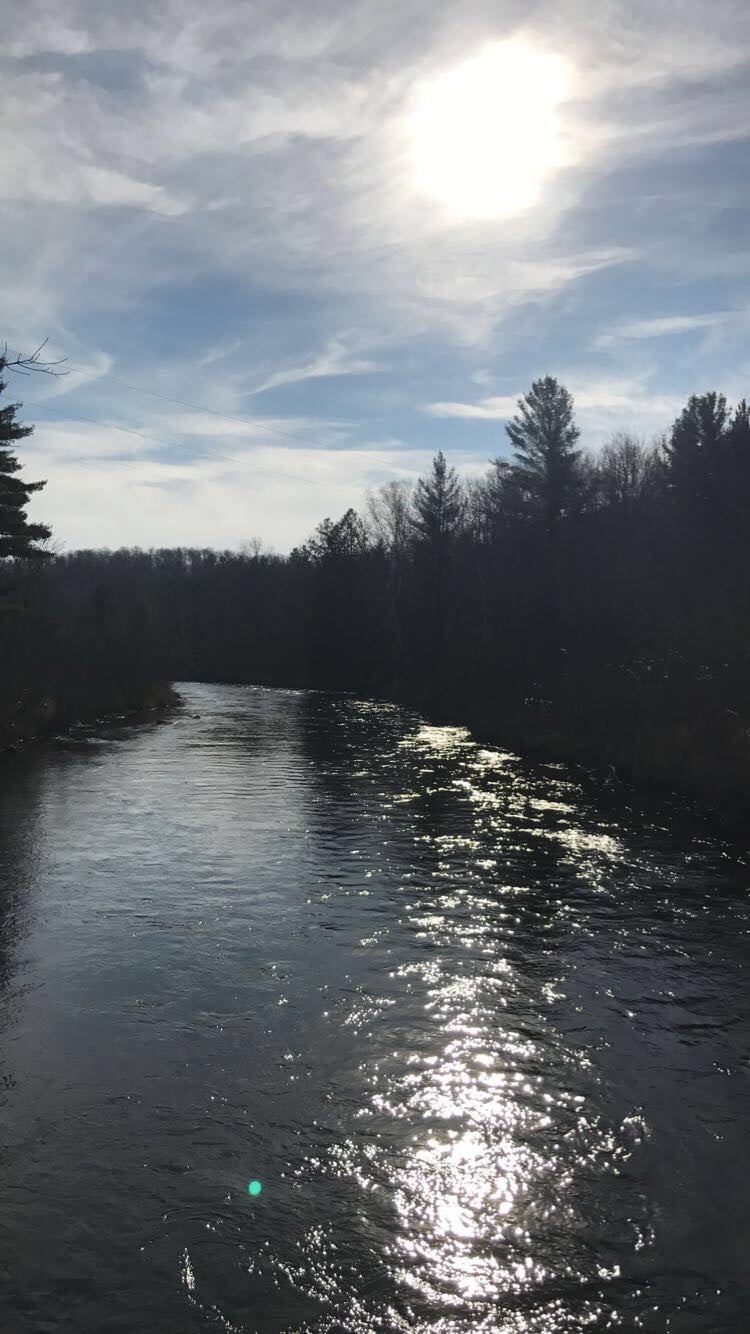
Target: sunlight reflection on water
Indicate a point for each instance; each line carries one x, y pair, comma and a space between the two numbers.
484, 1040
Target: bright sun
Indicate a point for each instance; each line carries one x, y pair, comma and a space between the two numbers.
485, 134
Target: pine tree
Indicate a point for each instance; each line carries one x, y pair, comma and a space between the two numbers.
343, 540
17, 535
437, 511
544, 435
697, 448
438, 506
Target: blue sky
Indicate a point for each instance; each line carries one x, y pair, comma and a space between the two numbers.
229, 206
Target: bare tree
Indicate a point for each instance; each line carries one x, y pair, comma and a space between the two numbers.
388, 511
254, 548
629, 471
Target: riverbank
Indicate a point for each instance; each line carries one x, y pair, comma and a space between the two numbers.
34, 720
683, 736
76, 666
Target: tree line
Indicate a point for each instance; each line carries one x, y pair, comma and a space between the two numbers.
587, 605
68, 651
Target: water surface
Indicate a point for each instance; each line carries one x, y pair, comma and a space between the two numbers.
480, 1029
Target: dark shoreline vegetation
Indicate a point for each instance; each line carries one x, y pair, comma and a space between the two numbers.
584, 607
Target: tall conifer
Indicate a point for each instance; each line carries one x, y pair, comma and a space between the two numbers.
18, 537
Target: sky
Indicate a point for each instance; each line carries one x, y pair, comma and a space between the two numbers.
291, 250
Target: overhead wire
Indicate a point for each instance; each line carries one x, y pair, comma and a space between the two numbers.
173, 444
184, 403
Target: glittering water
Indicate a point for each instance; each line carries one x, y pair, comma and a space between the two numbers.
479, 1030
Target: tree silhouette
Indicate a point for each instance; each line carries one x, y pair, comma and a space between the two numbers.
17, 536
388, 512
544, 434
629, 474
696, 449
738, 451
436, 515
590, 606
437, 507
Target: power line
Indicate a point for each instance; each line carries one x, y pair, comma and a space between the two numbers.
182, 402
173, 444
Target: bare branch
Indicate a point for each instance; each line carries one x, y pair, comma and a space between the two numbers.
23, 365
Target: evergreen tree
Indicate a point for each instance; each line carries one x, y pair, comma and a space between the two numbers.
544, 435
437, 507
507, 499
343, 540
738, 440
733, 498
437, 512
697, 448
17, 535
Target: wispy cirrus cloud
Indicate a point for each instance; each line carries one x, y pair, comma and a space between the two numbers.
198, 200
335, 361
661, 327
205, 123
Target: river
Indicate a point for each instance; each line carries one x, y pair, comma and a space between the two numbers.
479, 1027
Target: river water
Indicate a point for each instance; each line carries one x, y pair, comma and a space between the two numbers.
480, 1030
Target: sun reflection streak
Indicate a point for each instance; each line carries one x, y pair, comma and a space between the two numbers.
476, 1148
493, 1160
465, 1195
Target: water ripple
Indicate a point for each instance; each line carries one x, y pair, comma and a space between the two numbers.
480, 1029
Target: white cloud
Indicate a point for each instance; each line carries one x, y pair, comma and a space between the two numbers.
210, 428
49, 143
334, 361
103, 186
277, 494
602, 405
660, 327
55, 444
304, 156
492, 408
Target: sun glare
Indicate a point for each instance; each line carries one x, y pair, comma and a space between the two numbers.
485, 134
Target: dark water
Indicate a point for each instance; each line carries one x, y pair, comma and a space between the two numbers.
481, 1032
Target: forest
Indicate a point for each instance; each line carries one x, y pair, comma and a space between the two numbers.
588, 606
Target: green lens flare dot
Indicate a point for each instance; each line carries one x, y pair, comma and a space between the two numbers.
254, 1188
